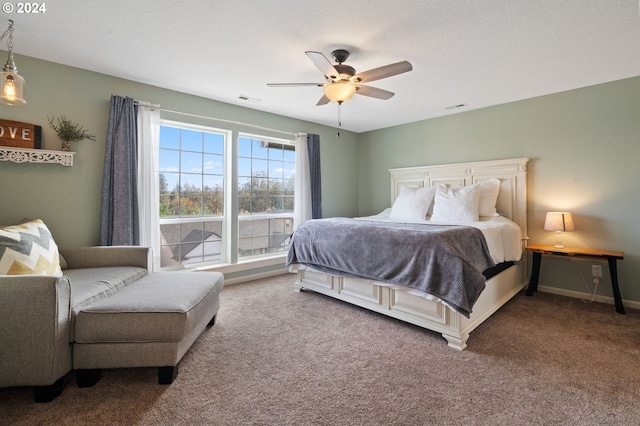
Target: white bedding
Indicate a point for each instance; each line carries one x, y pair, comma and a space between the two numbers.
504, 237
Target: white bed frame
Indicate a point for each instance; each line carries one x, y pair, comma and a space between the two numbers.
434, 315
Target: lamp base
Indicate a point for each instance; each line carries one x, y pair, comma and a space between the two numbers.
558, 243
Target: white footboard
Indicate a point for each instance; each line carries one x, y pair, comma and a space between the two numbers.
429, 314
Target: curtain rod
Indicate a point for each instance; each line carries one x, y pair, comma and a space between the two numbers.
140, 103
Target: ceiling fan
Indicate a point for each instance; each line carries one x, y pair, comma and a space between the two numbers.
342, 80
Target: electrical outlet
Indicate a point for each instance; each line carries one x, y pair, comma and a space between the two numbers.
596, 271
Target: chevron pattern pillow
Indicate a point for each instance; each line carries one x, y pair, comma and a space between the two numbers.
28, 248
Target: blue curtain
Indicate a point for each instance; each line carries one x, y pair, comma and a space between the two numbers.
119, 217
313, 145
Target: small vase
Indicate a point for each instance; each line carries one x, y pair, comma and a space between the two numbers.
66, 146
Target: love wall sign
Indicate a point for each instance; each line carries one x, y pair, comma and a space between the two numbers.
20, 135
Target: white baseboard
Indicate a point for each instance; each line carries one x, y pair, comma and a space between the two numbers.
587, 296
252, 277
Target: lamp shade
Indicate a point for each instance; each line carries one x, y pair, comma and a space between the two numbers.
340, 91
558, 221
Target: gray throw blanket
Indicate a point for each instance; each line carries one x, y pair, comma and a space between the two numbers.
445, 261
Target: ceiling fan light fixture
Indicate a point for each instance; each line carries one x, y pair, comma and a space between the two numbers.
340, 91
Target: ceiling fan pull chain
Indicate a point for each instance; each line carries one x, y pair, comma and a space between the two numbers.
339, 118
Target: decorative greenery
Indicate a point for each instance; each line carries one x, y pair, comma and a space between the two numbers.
69, 131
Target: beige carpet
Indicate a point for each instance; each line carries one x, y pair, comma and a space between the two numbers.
276, 357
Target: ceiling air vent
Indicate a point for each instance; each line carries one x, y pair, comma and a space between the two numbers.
456, 106
248, 98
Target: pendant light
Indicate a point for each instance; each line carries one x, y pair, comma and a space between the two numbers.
11, 84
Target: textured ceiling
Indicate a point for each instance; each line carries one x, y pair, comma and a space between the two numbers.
478, 53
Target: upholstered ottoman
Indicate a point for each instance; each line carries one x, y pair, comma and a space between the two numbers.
150, 323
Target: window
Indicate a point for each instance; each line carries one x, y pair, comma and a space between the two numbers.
266, 173
192, 188
197, 208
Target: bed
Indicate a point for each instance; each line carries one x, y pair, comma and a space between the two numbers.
452, 304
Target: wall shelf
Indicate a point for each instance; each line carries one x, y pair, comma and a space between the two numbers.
26, 155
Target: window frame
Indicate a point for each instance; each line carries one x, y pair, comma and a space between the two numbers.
228, 136
230, 260
269, 140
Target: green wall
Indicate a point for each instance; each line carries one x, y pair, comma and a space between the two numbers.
584, 147
68, 198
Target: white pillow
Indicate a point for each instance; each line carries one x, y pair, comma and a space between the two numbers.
489, 190
412, 203
456, 204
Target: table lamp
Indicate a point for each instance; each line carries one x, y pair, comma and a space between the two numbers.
559, 222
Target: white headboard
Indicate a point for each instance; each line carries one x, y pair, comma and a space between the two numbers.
512, 199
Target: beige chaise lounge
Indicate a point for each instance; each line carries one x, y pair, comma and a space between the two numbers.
106, 311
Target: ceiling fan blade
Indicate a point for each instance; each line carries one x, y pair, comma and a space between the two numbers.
382, 72
323, 64
323, 100
373, 92
294, 84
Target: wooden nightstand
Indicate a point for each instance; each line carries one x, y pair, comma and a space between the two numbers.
612, 256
